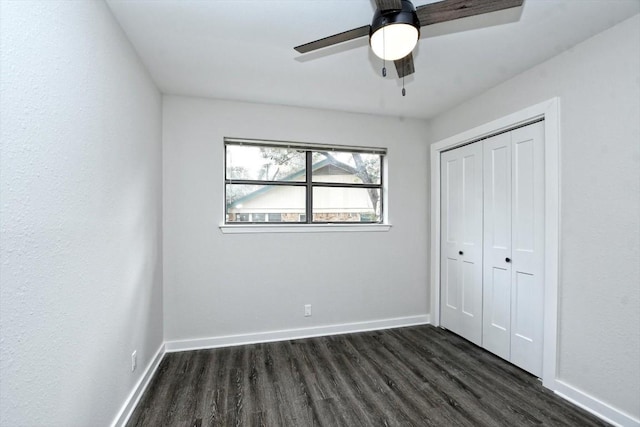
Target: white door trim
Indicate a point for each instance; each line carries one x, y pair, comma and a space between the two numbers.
549, 111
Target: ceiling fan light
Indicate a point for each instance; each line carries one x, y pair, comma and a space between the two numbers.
394, 41
394, 33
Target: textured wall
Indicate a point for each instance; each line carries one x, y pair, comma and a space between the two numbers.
80, 214
225, 284
598, 82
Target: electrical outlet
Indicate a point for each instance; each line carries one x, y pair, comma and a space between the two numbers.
307, 310
134, 360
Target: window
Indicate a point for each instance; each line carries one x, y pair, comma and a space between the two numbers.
291, 183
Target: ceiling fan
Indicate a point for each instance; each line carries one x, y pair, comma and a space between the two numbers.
395, 27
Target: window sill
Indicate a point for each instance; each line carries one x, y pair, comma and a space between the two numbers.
302, 228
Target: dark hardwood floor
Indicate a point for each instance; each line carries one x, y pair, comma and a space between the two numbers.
422, 376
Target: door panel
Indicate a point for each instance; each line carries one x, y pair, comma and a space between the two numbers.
461, 244
468, 289
451, 169
524, 324
499, 188
452, 200
527, 299
451, 282
497, 316
497, 246
523, 204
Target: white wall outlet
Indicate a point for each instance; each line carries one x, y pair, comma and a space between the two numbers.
134, 360
307, 310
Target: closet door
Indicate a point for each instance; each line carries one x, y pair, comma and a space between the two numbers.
513, 286
461, 242
497, 246
527, 242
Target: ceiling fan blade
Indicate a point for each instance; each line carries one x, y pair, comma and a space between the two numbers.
448, 10
389, 5
334, 39
404, 66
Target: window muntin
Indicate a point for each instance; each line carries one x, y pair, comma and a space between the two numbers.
267, 182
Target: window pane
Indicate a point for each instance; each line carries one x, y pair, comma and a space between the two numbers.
347, 168
338, 204
265, 163
250, 203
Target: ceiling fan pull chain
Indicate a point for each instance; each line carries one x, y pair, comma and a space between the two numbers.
384, 62
404, 69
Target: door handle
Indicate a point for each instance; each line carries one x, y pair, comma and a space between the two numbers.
507, 259
460, 253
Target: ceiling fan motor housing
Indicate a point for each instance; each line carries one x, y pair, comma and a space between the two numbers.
383, 18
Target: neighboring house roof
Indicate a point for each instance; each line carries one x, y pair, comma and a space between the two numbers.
292, 177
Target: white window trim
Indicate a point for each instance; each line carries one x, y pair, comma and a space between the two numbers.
302, 228
384, 226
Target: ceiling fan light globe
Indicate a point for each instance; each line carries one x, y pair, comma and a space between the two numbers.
394, 41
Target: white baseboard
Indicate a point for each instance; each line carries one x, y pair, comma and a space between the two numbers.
595, 406
289, 334
142, 384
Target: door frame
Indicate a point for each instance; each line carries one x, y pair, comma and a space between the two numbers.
549, 111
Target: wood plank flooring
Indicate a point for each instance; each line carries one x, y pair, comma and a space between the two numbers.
415, 376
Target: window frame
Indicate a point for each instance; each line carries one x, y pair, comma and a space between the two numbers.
308, 184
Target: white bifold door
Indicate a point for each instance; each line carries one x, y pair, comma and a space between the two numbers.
508, 173
461, 242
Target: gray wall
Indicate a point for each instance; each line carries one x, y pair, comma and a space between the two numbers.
220, 284
599, 309
80, 218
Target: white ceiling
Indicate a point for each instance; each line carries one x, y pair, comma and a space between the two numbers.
243, 50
